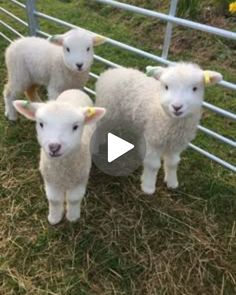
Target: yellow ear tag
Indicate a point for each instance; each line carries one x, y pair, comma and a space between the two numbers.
91, 112
98, 40
207, 79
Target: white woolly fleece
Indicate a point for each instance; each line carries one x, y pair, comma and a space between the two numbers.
60, 63
165, 108
70, 170
129, 94
36, 61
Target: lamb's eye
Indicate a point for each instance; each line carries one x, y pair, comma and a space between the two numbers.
88, 48
41, 124
166, 87
75, 127
68, 49
194, 89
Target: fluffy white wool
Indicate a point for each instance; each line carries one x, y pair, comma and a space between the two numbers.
148, 103
66, 125
74, 167
61, 63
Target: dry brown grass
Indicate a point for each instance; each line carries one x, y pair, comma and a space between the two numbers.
125, 242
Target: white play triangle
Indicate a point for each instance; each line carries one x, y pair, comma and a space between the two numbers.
117, 147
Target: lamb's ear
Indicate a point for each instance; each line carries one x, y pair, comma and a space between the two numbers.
154, 72
93, 114
57, 39
27, 108
211, 77
98, 40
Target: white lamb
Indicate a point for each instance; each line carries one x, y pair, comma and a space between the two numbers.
64, 130
165, 108
62, 62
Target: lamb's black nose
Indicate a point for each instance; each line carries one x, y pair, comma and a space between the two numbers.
177, 107
79, 66
54, 147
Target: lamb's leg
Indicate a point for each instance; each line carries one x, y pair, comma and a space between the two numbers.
74, 198
52, 93
170, 166
32, 94
9, 97
56, 203
151, 165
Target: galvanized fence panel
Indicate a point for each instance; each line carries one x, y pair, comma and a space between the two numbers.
33, 17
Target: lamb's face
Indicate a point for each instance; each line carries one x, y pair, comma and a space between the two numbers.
59, 125
59, 128
78, 51
182, 87
182, 90
77, 46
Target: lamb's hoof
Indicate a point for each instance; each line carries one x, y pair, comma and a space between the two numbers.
53, 220
11, 117
148, 190
72, 217
172, 184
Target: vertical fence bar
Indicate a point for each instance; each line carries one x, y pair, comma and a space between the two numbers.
32, 20
168, 33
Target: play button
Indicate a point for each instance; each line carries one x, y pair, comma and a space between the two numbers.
117, 150
117, 147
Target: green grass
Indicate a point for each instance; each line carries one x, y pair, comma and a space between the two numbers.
173, 243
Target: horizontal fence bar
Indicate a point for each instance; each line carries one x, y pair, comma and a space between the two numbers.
227, 84
126, 47
96, 57
41, 33
209, 132
203, 129
93, 75
217, 136
138, 51
209, 106
56, 20
194, 147
219, 111
90, 91
158, 58
109, 40
5, 37
213, 157
107, 62
18, 3
10, 28
172, 19
13, 16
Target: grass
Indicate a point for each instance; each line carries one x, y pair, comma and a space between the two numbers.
174, 243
